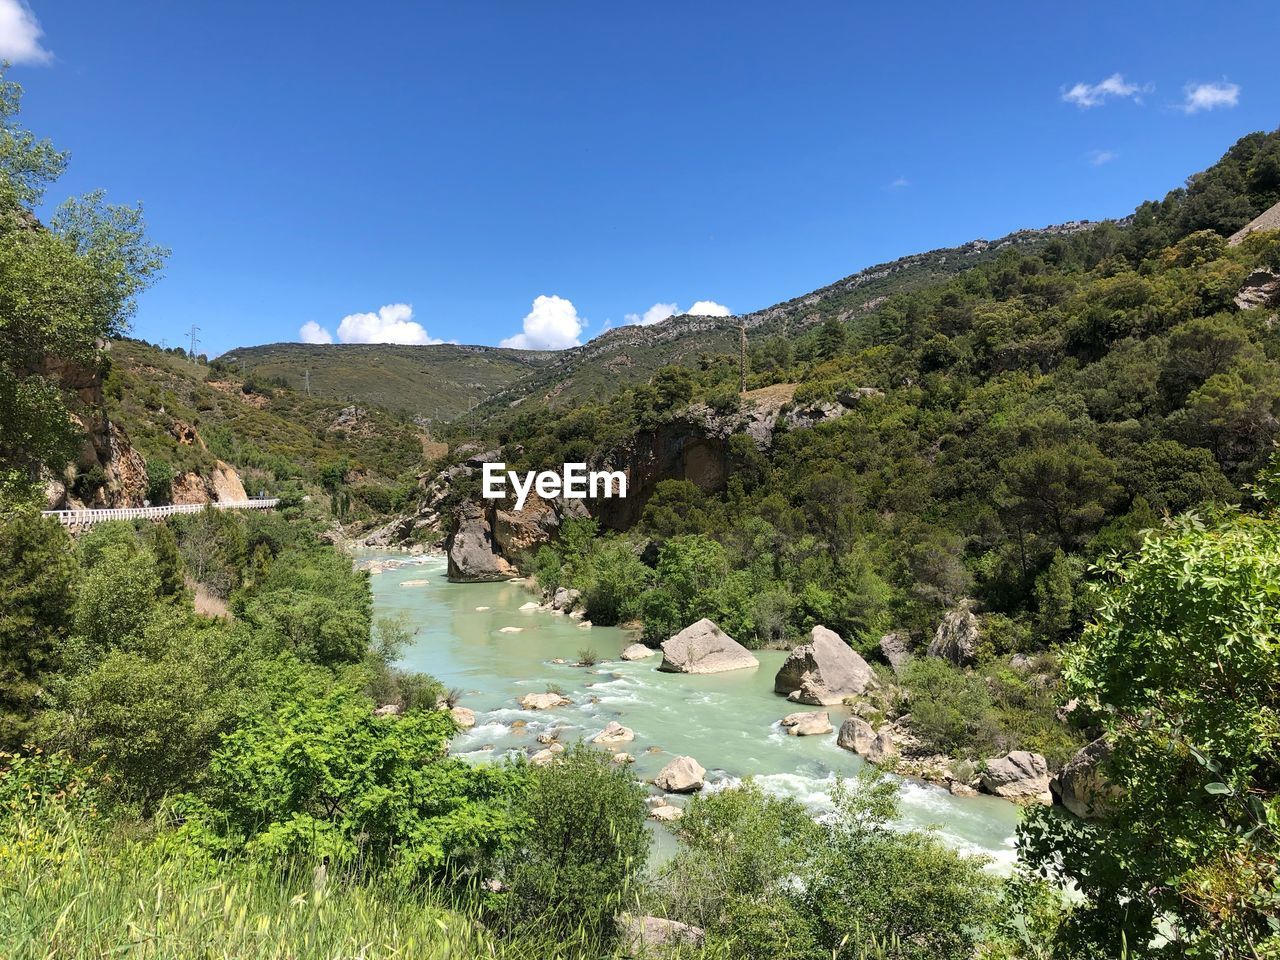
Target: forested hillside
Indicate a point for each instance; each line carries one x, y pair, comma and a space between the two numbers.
437, 382
184, 415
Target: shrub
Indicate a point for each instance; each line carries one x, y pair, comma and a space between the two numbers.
584, 846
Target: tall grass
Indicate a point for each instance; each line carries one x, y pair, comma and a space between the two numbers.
67, 893
70, 891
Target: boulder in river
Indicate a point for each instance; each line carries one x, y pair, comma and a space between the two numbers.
807, 723
565, 598
614, 732
1018, 776
882, 748
544, 701
681, 775
823, 671
856, 735
667, 813
637, 651
703, 647
473, 557
956, 638
464, 717
1082, 785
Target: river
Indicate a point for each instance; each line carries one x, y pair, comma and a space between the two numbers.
728, 722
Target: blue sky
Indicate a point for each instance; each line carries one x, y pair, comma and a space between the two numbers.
535, 172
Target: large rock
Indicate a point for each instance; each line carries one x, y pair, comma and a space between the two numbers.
1018, 776
226, 484
956, 638
1261, 289
807, 723
464, 717
882, 748
473, 557
681, 775
704, 648
856, 735
638, 651
647, 936
522, 531
823, 671
1082, 785
896, 650
614, 732
544, 701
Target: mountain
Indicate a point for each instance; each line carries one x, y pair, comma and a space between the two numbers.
436, 382
625, 356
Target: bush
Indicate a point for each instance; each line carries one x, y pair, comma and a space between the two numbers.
951, 711
584, 847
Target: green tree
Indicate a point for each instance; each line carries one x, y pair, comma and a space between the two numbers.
585, 846
1181, 668
918, 899
320, 775
37, 581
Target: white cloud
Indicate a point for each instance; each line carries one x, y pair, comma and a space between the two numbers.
552, 324
1085, 95
1210, 96
899, 183
312, 332
655, 314
1099, 157
709, 308
393, 323
20, 34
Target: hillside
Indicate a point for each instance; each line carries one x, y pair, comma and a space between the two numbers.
184, 416
436, 382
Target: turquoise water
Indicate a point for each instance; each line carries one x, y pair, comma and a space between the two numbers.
728, 722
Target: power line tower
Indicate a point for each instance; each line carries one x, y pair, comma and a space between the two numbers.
306, 380
194, 340
742, 357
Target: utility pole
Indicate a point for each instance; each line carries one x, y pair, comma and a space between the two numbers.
192, 333
742, 356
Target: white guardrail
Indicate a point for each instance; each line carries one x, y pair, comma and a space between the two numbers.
83, 518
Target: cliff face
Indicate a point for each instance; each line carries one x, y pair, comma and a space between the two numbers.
119, 471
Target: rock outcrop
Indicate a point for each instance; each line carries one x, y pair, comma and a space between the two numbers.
1082, 785
638, 651
807, 723
1267, 220
681, 775
703, 647
896, 650
1260, 289
1018, 776
473, 557
823, 671
956, 638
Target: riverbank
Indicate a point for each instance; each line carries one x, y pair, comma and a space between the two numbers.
477, 639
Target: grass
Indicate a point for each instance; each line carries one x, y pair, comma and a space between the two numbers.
70, 893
